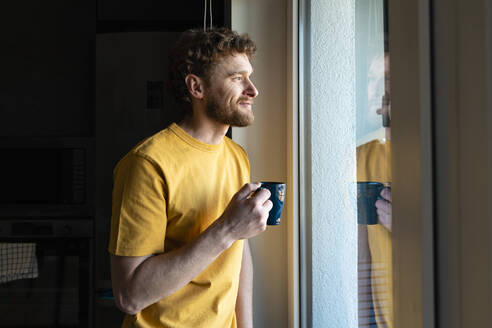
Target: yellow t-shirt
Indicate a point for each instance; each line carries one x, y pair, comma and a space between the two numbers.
168, 190
373, 164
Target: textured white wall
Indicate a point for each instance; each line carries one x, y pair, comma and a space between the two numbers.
265, 142
332, 106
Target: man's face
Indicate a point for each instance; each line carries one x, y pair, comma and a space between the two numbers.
229, 93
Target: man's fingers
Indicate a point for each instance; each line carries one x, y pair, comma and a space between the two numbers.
261, 195
386, 194
383, 205
384, 208
268, 205
385, 220
247, 189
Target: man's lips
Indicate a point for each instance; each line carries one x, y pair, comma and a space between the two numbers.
246, 102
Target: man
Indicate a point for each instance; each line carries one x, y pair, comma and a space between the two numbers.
183, 209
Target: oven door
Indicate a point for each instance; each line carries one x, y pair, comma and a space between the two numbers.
45, 273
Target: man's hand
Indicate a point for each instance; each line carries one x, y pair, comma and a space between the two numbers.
247, 212
384, 208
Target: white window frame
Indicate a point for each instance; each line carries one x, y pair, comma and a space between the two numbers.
293, 165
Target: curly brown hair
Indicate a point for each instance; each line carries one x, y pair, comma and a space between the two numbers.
197, 52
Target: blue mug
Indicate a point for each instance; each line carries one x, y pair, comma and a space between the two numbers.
367, 195
277, 191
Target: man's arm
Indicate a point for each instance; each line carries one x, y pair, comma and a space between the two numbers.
141, 281
244, 302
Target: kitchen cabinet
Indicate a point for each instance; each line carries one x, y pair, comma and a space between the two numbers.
46, 85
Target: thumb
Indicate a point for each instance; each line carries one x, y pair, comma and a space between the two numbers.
247, 189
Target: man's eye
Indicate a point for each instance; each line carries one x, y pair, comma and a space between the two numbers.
237, 78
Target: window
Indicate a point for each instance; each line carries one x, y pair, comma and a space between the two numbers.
345, 56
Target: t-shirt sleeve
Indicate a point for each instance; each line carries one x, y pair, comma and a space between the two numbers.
138, 220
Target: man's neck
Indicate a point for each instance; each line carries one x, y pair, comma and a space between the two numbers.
204, 129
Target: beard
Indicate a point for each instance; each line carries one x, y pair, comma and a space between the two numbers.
230, 115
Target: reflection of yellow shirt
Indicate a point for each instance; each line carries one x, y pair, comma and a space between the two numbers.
168, 190
373, 164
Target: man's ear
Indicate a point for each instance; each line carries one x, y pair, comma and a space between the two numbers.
195, 86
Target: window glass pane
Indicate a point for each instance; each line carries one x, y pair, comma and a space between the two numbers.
373, 165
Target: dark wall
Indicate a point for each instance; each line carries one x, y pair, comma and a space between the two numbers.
46, 68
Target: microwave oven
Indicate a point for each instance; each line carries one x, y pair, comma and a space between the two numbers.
46, 177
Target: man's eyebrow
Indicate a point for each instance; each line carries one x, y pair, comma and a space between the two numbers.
239, 72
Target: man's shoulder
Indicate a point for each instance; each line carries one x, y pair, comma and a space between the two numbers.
152, 149
234, 147
156, 143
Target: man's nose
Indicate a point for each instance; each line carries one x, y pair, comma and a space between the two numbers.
251, 90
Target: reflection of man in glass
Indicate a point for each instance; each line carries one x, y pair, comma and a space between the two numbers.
373, 164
